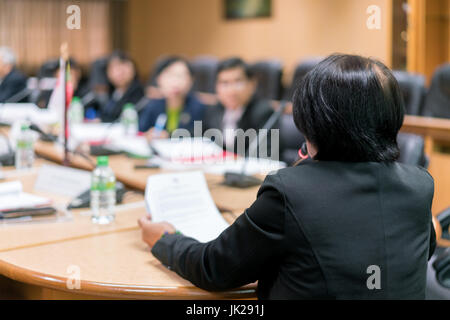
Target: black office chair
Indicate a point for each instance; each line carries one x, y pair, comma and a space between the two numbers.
47, 79
437, 102
48, 69
204, 70
156, 66
268, 73
413, 90
97, 76
438, 271
412, 150
291, 139
300, 71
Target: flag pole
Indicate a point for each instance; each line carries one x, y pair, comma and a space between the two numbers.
65, 57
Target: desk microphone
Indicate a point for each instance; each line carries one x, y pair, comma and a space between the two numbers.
44, 136
241, 180
19, 96
51, 138
8, 158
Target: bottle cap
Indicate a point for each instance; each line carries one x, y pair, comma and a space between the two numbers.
102, 161
24, 126
91, 113
76, 99
128, 106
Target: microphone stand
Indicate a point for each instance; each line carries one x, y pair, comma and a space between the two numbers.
19, 96
49, 138
241, 180
66, 161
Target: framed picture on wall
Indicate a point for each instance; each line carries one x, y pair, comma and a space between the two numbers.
242, 9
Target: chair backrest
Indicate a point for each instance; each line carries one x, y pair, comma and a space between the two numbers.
412, 149
205, 69
413, 90
98, 75
152, 74
268, 74
48, 69
291, 139
438, 281
300, 71
437, 102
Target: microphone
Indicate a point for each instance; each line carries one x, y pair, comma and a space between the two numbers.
8, 158
88, 98
241, 180
19, 96
44, 136
141, 104
51, 138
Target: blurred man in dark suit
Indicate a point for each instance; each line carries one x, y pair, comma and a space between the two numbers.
238, 108
12, 81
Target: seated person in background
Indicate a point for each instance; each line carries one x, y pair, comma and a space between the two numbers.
238, 108
124, 86
79, 90
12, 81
174, 80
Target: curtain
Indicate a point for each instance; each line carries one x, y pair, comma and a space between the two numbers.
35, 30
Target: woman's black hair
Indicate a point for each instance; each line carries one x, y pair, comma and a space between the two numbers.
120, 55
235, 62
166, 62
351, 109
123, 57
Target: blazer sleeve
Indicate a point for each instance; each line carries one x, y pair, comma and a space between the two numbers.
11, 85
235, 258
151, 111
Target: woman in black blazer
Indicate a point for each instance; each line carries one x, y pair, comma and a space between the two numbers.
349, 222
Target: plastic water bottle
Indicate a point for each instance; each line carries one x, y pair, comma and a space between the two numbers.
103, 192
129, 120
24, 148
76, 111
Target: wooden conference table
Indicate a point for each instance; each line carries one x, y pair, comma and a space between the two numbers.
45, 260
38, 260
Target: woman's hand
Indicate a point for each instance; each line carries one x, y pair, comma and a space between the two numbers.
151, 134
153, 231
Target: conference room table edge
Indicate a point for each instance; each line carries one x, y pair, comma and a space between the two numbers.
120, 291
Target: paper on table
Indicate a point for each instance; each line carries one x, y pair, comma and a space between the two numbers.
183, 199
188, 150
253, 166
62, 180
137, 146
12, 112
12, 197
93, 132
10, 187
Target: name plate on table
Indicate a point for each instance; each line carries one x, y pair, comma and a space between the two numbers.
62, 180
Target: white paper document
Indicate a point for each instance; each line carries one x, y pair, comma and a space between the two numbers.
63, 181
188, 150
93, 132
137, 146
12, 112
183, 199
13, 197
